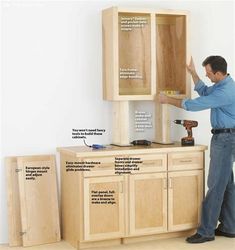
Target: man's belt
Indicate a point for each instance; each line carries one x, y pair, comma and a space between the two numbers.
222, 130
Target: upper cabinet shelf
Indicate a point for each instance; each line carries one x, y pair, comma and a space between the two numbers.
144, 53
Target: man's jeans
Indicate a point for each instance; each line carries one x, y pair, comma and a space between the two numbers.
219, 203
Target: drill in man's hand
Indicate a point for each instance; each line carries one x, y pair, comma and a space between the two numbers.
188, 124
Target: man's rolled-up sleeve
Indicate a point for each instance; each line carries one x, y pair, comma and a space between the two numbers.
206, 102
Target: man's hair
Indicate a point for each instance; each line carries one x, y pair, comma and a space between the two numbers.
217, 63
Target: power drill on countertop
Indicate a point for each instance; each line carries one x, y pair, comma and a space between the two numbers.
188, 124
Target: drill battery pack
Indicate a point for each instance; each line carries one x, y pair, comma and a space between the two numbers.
187, 141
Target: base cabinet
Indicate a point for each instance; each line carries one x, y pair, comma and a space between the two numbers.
162, 193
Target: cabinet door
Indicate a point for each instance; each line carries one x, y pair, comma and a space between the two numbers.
148, 203
184, 199
103, 207
39, 210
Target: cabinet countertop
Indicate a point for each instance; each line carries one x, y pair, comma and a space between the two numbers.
82, 151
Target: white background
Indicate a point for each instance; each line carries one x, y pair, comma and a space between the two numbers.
51, 73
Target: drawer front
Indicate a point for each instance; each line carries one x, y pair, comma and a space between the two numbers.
131, 164
185, 161
152, 163
101, 166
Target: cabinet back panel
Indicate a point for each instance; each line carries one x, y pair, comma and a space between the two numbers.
171, 53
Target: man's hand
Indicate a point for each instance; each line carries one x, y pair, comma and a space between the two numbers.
164, 99
191, 69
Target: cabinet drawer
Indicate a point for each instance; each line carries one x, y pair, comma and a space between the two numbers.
185, 161
152, 163
103, 166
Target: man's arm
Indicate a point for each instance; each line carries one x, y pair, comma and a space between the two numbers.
164, 99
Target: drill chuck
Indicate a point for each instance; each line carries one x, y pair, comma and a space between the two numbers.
179, 122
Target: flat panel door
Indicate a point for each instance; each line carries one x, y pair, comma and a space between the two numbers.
38, 200
148, 203
103, 207
184, 200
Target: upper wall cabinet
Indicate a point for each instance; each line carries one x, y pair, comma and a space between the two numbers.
144, 52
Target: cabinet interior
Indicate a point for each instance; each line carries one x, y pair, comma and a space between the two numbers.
134, 34
171, 53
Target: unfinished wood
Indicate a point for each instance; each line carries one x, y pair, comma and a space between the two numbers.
103, 208
150, 163
38, 199
148, 203
140, 207
71, 201
121, 133
110, 53
158, 236
82, 151
140, 47
134, 53
102, 166
136, 239
99, 244
128, 55
171, 43
185, 161
13, 203
184, 199
163, 124
105, 166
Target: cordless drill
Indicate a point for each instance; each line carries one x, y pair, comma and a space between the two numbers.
188, 124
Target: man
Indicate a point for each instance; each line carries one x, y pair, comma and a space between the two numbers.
219, 203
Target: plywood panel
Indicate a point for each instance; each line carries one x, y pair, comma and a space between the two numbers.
185, 196
148, 203
38, 200
13, 202
134, 54
185, 161
71, 201
171, 52
110, 53
103, 207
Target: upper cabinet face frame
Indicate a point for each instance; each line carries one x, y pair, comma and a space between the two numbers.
133, 60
